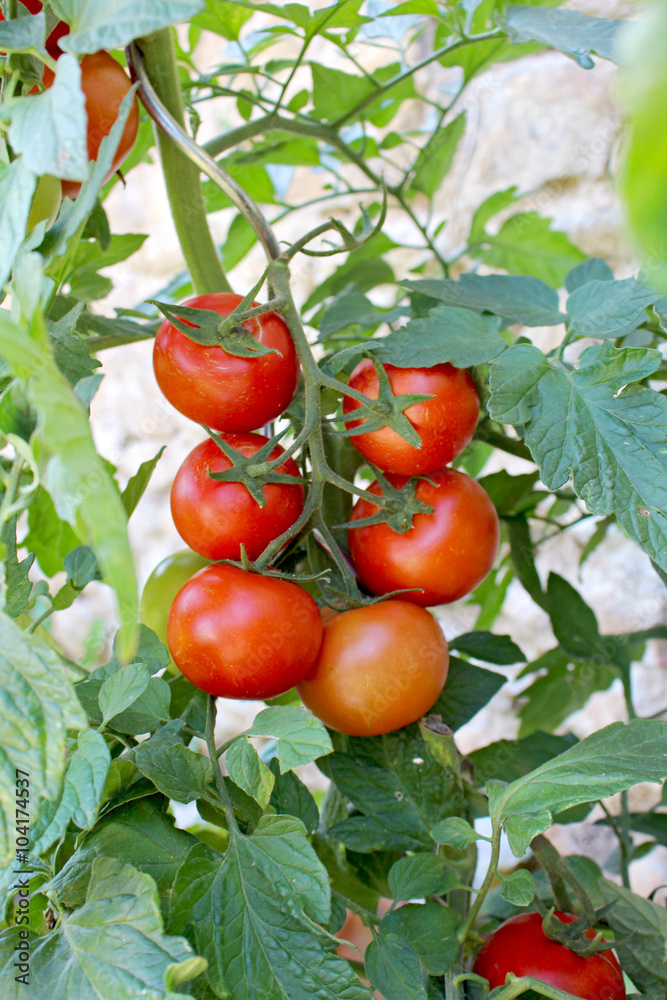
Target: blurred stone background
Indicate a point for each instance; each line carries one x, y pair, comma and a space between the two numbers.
542, 123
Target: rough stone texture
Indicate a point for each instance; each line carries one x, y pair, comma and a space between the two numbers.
541, 123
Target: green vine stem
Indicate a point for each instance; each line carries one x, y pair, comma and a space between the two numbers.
485, 886
180, 174
220, 786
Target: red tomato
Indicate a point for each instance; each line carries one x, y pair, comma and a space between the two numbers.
104, 83
521, 946
214, 517
380, 668
240, 635
221, 390
445, 554
445, 423
52, 41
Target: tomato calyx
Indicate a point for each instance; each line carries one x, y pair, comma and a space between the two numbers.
400, 505
204, 326
387, 410
574, 935
252, 471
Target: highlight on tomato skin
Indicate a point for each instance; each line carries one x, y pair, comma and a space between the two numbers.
445, 423
380, 668
224, 391
443, 556
236, 634
215, 518
520, 946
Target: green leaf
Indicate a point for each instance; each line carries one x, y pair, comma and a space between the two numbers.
17, 584
364, 269
225, 20
78, 959
121, 689
394, 969
455, 832
37, 707
490, 207
468, 689
96, 25
575, 34
241, 238
526, 244
430, 929
488, 647
400, 790
518, 888
81, 567
70, 351
507, 760
592, 269
17, 186
291, 797
644, 54
23, 34
448, 333
146, 713
609, 761
300, 736
563, 687
640, 928
73, 473
139, 833
528, 301
136, 486
233, 915
176, 771
612, 442
81, 797
249, 772
49, 129
49, 537
435, 159
604, 308
420, 875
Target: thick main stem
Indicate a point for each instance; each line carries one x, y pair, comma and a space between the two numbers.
181, 176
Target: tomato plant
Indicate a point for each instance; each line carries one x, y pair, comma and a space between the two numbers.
445, 422
227, 392
240, 635
444, 555
216, 517
520, 946
340, 234
380, 668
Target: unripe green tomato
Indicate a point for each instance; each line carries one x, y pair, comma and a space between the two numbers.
45, 202
161, 588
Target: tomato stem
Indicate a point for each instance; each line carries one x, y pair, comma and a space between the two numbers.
180, 174
220, 786
485, 886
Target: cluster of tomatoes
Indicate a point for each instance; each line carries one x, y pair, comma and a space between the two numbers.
240, 634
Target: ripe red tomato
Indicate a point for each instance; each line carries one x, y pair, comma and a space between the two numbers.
445, 423
104, 83
240, 635
214, 517
521, 946
445, 554
221, 390
380, 668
